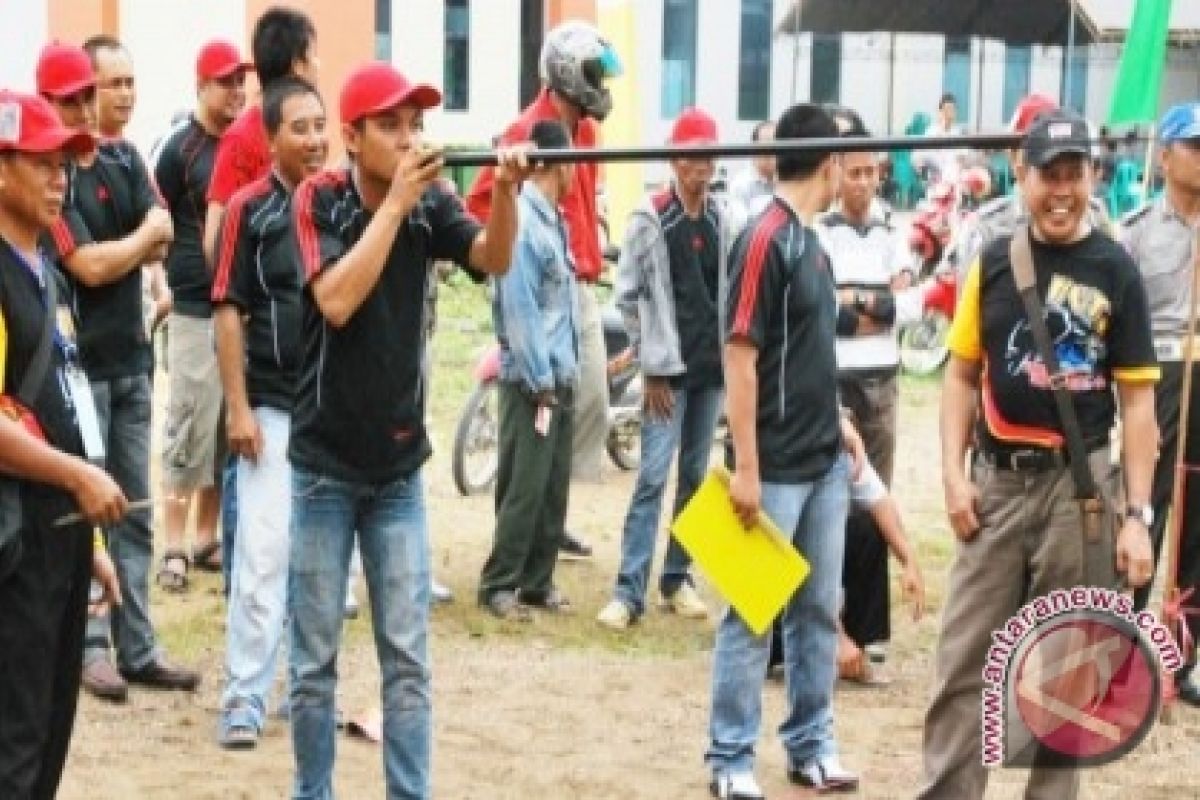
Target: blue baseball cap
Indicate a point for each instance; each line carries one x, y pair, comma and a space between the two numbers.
1180, 122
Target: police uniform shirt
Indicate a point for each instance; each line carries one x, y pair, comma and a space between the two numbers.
182, 173
359, 414
867, 257
106, 201
258, 271
1163, 246
1096, 312
782, 299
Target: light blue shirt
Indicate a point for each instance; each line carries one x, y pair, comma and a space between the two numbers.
536, 309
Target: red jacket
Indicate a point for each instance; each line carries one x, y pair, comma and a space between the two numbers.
578, 205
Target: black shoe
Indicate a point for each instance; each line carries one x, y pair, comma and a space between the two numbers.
572, 549
160, 675
1189, 692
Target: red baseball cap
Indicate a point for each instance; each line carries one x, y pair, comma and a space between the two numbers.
377, 86
693, 127
29, 124
1030, 108
63, 70
218, 59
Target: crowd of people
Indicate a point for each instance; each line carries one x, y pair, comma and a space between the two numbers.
299, 298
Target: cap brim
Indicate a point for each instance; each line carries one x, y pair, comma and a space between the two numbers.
1190, 132
1046, 156
71, 141
78, 86
694, 140
226, 70
421, 95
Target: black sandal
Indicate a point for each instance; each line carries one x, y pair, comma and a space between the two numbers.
172, 580
208, 557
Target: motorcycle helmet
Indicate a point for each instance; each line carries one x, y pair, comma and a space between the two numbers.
575, 62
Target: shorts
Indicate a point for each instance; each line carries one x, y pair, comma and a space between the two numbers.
194, 406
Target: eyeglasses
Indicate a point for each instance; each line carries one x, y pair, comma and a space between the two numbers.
81, 99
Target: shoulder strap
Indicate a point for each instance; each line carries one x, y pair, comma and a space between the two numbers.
35, 374
1020, 254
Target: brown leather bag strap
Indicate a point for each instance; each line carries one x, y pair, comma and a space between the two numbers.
1020, 255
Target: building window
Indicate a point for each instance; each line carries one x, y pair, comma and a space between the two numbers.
383, 30
754, 62
956, 77
1074, 92
679, 56
825, 76
1017, 61
457, 75
533, 24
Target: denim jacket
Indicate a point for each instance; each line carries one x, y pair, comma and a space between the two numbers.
535, 307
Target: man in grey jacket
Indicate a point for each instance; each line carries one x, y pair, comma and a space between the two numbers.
671, 291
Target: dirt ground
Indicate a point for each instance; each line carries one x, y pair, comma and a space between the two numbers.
560, 708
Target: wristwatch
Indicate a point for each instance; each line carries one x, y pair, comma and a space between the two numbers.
1143, 513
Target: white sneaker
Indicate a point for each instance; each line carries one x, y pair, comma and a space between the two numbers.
615, 616
686, 602
351, 608
440, 592
735, 786
825, 774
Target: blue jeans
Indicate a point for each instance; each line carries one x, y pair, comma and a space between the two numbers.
815, 513
123, 410
689, 430
229, 518
394, 541
257, 600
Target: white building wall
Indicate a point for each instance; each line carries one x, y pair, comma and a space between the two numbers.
1045, 74
22, 34
865, 67
164, 37
917, 81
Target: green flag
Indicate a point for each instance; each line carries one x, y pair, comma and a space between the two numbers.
1139, 78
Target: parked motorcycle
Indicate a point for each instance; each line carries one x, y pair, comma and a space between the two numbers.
923, 348
477, 436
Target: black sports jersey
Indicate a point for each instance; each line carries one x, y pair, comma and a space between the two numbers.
359, 414
182, 173
258, 270
782, 299
105, 201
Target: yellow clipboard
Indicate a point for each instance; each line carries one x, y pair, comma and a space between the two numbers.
757, 570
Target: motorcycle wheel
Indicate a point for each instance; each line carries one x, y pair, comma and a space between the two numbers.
476, 441
624, 443
923, 348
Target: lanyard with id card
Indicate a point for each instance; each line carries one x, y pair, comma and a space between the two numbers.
78, 387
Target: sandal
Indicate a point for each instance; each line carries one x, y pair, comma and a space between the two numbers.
170, 579
208, 557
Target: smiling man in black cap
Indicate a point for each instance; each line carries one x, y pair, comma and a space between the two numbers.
1016, 517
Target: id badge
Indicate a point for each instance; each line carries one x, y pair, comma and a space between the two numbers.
85, 413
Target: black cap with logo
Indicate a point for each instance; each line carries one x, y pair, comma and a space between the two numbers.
1054, 134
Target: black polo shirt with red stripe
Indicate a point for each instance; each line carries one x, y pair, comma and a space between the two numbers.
782, 300
359, 414
258, 270
182, 173
105, 201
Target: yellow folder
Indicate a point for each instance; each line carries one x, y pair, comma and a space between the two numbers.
755, 570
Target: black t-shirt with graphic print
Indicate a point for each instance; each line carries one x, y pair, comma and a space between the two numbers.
1098, 317
782, 299
258, 270
359, 414
107, 201
693, 249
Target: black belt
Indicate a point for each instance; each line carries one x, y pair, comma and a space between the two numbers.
1032, 459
